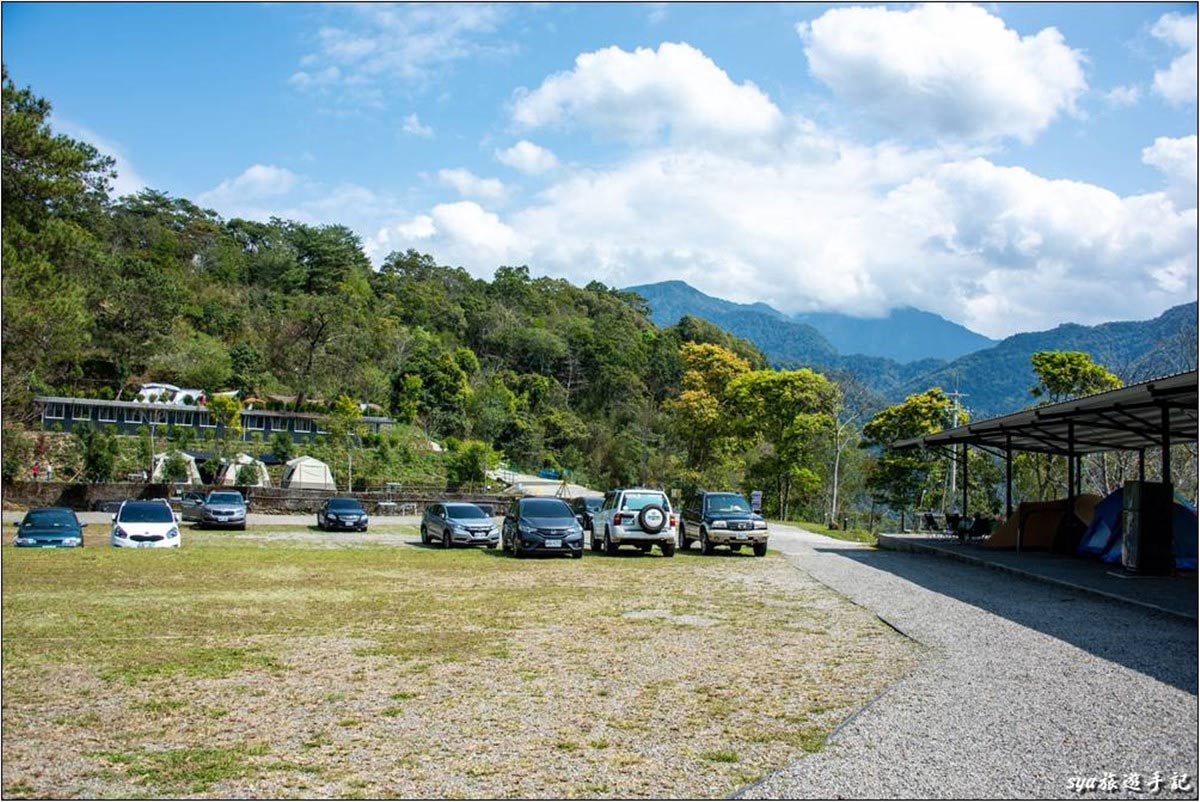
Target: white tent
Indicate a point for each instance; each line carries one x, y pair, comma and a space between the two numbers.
307, 473
193, 473
229, 473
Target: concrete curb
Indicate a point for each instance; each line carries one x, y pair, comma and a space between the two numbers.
893, 543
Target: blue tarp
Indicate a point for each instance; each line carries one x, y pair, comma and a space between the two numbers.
1104, 535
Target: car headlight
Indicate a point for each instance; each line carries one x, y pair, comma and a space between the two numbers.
461, 530
119, 532
22, 541
172, 532
760, 524
718, 524
71, 541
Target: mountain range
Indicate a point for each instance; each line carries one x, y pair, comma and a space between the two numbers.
910, 350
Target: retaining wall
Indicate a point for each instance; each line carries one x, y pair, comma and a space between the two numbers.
262, 499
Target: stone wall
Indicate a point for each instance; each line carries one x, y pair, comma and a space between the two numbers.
261, 499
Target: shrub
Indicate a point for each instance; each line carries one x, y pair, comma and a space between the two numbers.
247, 475
175, 468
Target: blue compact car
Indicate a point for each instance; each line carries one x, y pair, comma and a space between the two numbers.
49, 528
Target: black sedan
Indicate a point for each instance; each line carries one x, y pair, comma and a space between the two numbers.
49, 527
585, 507
342, 513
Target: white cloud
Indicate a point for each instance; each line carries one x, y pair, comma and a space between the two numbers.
949, 71
256, 183
1123, 96
376, 50
828, 224
528, 158
470, 185
1177, 83
128, 180
635, 96
1176, 160
412, 125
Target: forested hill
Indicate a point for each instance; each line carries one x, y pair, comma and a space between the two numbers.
998, 378
102, 294
903, 335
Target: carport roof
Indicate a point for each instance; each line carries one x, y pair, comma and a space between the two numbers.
1129, 418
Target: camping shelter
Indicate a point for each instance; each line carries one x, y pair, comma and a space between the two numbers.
229, 472
160, 461
1152, 414
307, 473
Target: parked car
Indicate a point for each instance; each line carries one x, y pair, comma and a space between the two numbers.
536, 525
146, 524
585, 508
49, 528
638, 517
722, 519
223, 508
191, 505
458, 523
341, 513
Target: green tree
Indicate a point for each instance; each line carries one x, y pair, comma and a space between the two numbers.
99, 450
174, 467
468, 462
1066, 374
247, 475
898, 478
281, 445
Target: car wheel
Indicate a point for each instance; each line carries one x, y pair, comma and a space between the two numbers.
610, 548
760, 549
517, 550
491, 545
424, 535
683, 538
242, 527
668, 548
447, 542
705, 546
595, 540
577, 555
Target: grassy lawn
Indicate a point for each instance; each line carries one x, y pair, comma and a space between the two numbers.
270, 666
853, 535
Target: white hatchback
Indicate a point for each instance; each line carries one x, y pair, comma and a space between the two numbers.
146, 525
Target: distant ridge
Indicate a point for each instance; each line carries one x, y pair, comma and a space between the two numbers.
996, 375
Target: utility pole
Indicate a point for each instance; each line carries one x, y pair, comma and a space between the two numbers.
954, 396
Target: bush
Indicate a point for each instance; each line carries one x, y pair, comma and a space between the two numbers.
15, 451
281, 445
247, 475
99, 450
175, 468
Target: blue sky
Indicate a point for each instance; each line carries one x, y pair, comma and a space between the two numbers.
1010, 167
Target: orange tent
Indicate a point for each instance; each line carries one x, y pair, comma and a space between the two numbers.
1042, 521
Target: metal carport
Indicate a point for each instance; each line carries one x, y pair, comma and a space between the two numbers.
1151, 414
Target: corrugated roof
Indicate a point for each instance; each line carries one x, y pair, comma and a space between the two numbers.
1128, 418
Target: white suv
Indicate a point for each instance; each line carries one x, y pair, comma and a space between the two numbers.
637, 517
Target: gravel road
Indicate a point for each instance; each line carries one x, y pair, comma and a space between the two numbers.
1030, 686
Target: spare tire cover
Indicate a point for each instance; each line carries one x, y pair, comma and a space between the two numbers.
652, 518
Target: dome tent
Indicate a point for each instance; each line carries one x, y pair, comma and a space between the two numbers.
160, 462
307, 473
229, 473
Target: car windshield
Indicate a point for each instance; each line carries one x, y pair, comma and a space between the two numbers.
49, 518
146, 512
225, 498
464, 511
636, 501
727, 502
545, 508
345, 505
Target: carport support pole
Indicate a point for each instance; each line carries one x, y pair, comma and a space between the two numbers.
965, 479
1070, 472
1166, 447
1007, 476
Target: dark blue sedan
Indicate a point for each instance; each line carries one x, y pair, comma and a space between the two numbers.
49, 527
